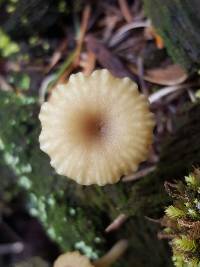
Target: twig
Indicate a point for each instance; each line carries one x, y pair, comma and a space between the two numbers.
110, 23
191, 96
56, 55
121, 33
125, 10
138, 174
140, 66
83, 29
113, 254
73, 60
168, 90
117, 223
44, 87
112, 9
66, 67
158, 221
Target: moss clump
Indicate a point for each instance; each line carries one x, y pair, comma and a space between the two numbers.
182, 221
50, 198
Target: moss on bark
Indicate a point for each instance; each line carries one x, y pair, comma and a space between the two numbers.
177, 22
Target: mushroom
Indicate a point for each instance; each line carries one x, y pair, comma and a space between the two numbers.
75, 259
96, 128
72, 259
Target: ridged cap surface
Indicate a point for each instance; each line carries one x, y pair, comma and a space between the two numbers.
72, 259
96, 128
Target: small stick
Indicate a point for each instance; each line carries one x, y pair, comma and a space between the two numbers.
44, 87
125, 10
113, 255
191, 95
56, 55
170, 89
117, 223
138, 174
121, 33
83, 29
74, 59
140, 67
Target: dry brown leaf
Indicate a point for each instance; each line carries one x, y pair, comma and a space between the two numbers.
170, 75
107, 59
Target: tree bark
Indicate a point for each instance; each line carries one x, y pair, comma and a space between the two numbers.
178, 23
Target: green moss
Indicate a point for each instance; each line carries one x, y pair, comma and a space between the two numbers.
182, 221
51, 198
177, 23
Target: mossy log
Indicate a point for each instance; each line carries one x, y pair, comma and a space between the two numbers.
76, 216
178, 23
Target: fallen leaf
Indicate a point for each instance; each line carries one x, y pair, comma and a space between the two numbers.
170, 75
107, 59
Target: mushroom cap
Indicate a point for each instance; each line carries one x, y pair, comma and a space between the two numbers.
72, 259
96, 128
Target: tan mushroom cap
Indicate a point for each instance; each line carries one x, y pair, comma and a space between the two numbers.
97, 128
72, 259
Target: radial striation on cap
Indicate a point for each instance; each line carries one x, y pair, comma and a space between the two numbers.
72, 259
96, 128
